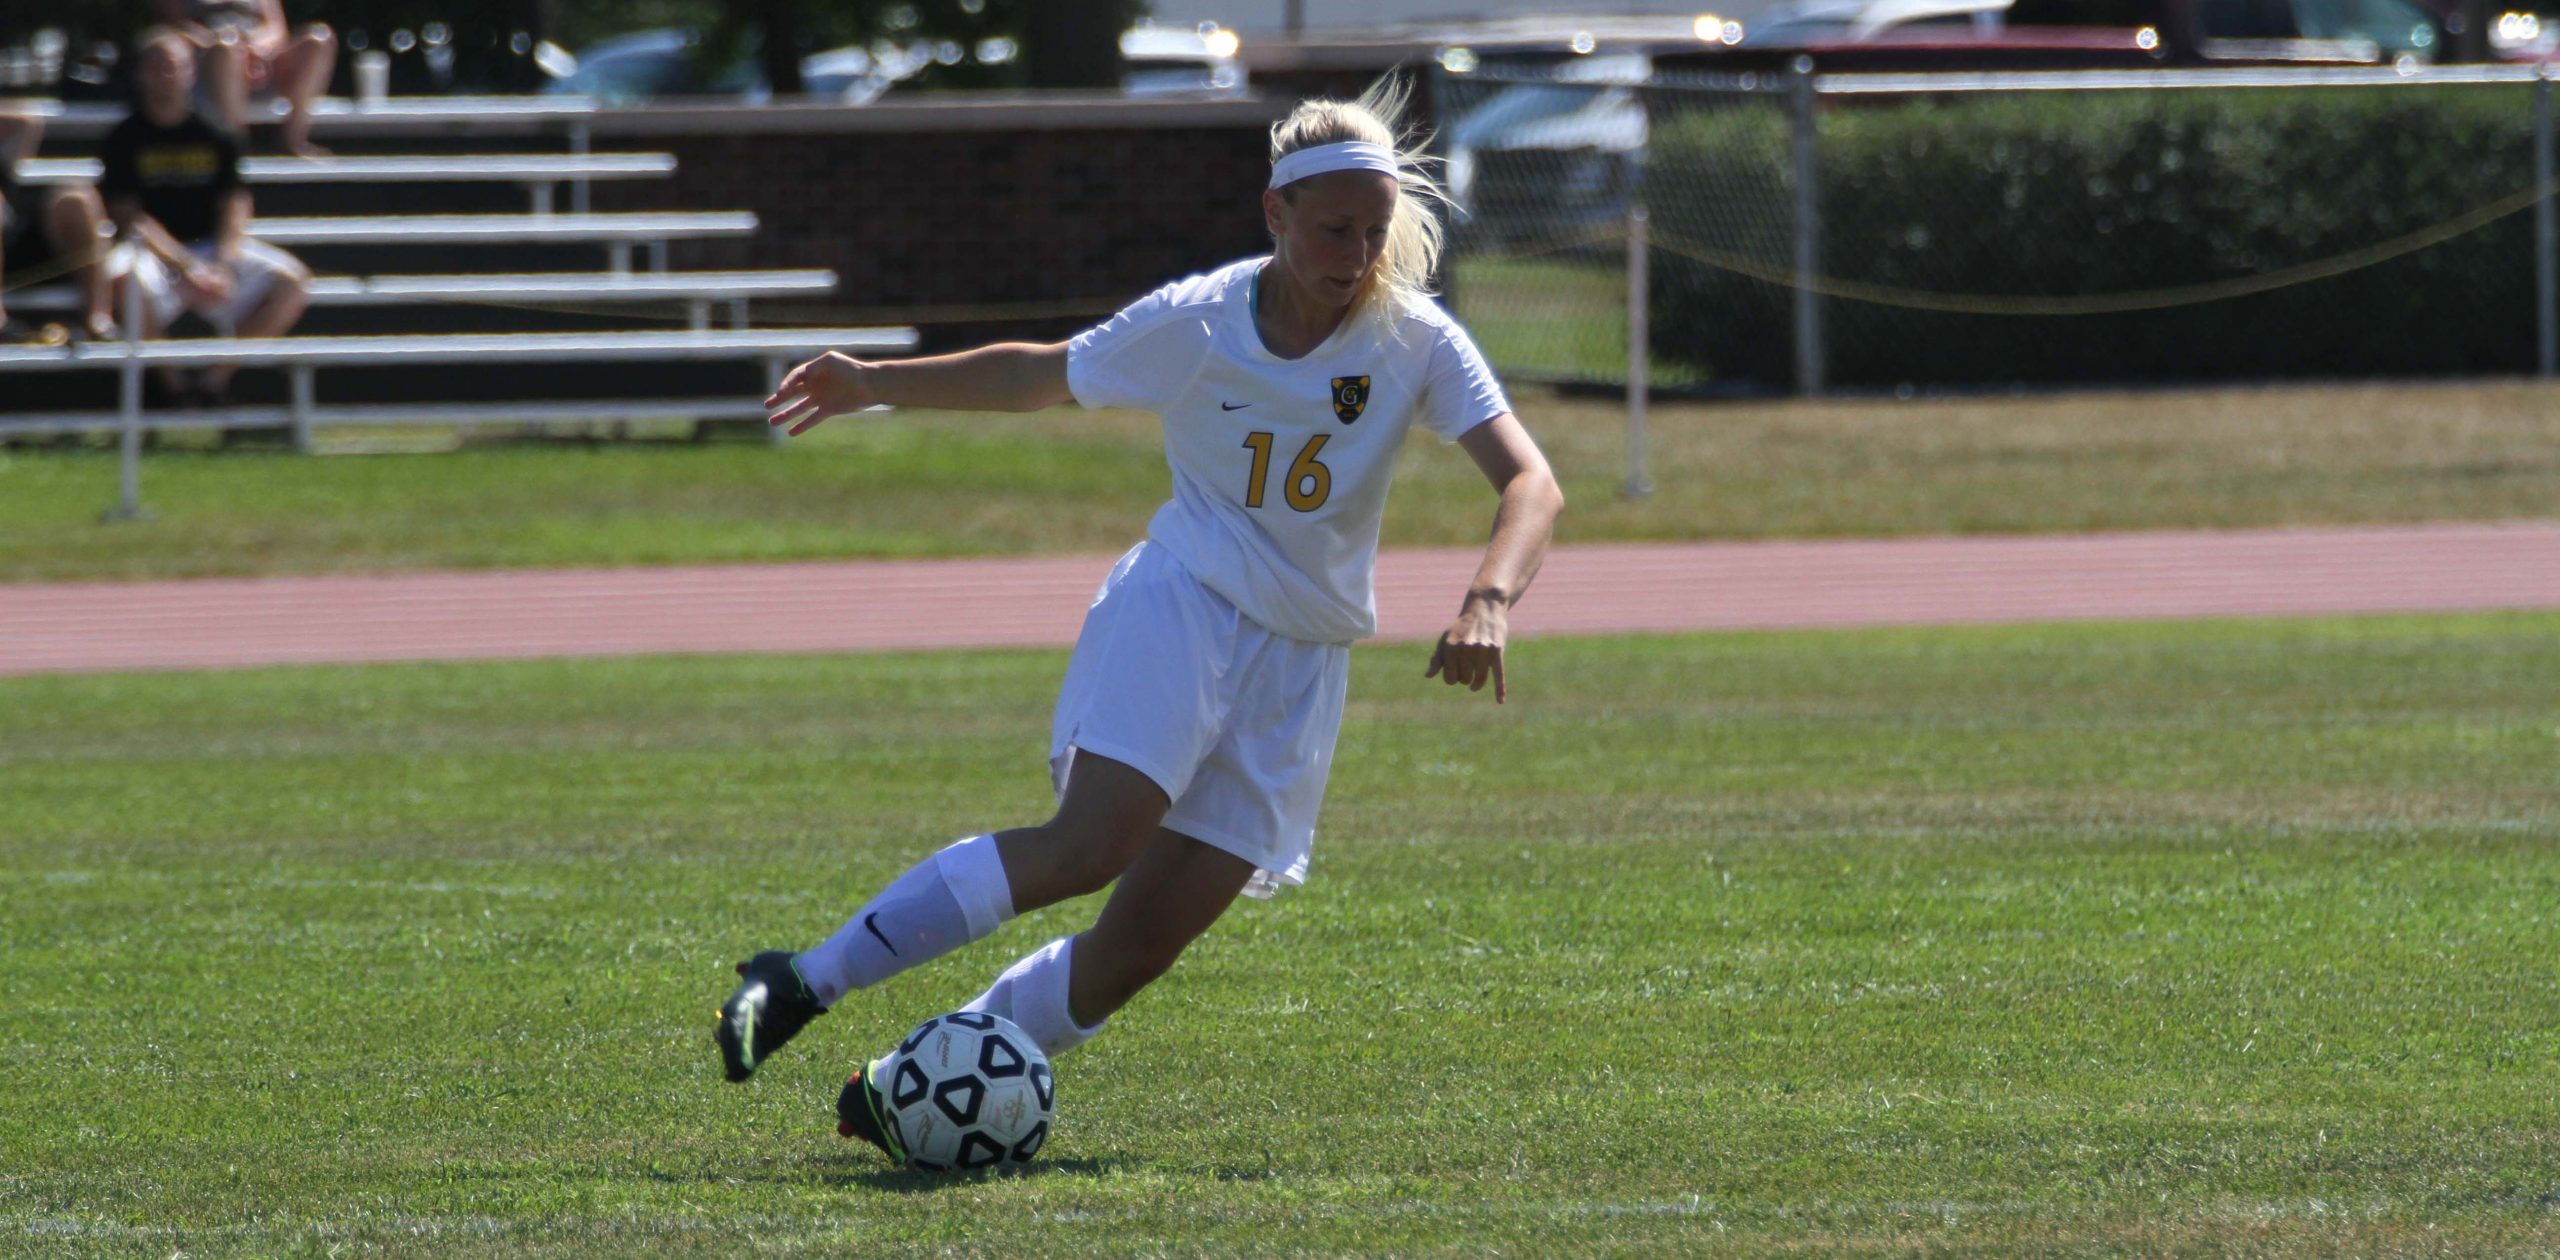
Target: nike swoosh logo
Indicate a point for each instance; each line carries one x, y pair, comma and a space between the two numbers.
870, 923
1228, 406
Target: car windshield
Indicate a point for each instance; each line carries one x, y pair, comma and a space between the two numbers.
628, 74
1796, 32
1554, 116
2396, 25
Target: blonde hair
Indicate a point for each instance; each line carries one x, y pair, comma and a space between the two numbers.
1402, 275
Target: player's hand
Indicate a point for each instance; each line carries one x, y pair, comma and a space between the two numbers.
1470, 650
833, 384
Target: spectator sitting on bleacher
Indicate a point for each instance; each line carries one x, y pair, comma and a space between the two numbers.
172, 181
47, 235
248, 48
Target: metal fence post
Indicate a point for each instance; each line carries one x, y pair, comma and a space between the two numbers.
1808, 232
129, 402
1639, 351
775, 368
305, 400
2546, 261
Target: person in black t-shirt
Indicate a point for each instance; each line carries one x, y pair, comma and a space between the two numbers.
172, 181
46, 234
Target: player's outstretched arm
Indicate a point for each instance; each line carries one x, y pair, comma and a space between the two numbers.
1006, 376
1470, 650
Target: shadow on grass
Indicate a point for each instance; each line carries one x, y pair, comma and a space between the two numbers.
910, 1181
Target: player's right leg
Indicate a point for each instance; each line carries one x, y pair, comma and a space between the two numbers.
953, 897
1063, 991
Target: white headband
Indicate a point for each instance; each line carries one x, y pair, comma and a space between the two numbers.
1350, 155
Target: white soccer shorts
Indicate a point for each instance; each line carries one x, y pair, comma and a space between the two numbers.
259, 267
1235, 723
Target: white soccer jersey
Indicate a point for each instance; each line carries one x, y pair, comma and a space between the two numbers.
1280, 466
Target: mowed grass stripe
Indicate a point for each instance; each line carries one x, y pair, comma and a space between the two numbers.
2210, 938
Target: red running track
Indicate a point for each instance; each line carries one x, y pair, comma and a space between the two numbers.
1606, 589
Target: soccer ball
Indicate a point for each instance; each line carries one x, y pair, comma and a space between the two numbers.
970, 1090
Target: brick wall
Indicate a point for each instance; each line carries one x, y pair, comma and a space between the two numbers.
974, 232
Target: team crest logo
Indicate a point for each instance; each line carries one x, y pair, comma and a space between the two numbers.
1350, 394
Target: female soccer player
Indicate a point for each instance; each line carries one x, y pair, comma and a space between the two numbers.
1197, 721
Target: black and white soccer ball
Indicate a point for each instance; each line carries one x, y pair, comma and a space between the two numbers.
968, 1091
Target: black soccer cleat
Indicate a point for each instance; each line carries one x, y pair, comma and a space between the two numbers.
771, 1005
862, 1113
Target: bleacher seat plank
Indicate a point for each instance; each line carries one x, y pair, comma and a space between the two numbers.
600, 410
418, 349
581, 286
453, 229
512, 167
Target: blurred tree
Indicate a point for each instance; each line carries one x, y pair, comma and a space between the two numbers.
1075, 43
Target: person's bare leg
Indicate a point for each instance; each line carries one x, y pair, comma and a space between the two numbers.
956, 895
274, 316
1107, 817
1061, 993
1170, 895
302, 71
73, 223
226, 75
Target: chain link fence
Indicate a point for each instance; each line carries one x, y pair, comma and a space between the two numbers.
1801, 233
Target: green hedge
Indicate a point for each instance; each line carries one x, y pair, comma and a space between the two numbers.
2102, 193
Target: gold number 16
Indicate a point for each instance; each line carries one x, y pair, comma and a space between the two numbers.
1309, 484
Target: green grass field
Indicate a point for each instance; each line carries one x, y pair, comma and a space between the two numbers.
945, 485
2210, 939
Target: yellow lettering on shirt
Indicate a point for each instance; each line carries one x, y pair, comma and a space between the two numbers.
177, 164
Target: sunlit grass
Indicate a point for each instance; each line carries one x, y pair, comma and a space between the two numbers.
2204, 939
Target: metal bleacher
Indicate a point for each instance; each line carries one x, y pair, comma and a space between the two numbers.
400, 300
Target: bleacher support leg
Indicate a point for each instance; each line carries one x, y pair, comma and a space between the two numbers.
303, 393
579, 145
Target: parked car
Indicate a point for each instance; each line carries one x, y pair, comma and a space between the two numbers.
1535, 160
645, 65
1860, 20
1922, 35
1171, 60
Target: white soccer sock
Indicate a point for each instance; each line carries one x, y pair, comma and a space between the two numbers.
1033, 994
942, 903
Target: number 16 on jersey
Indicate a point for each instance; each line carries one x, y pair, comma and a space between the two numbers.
1308, 483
